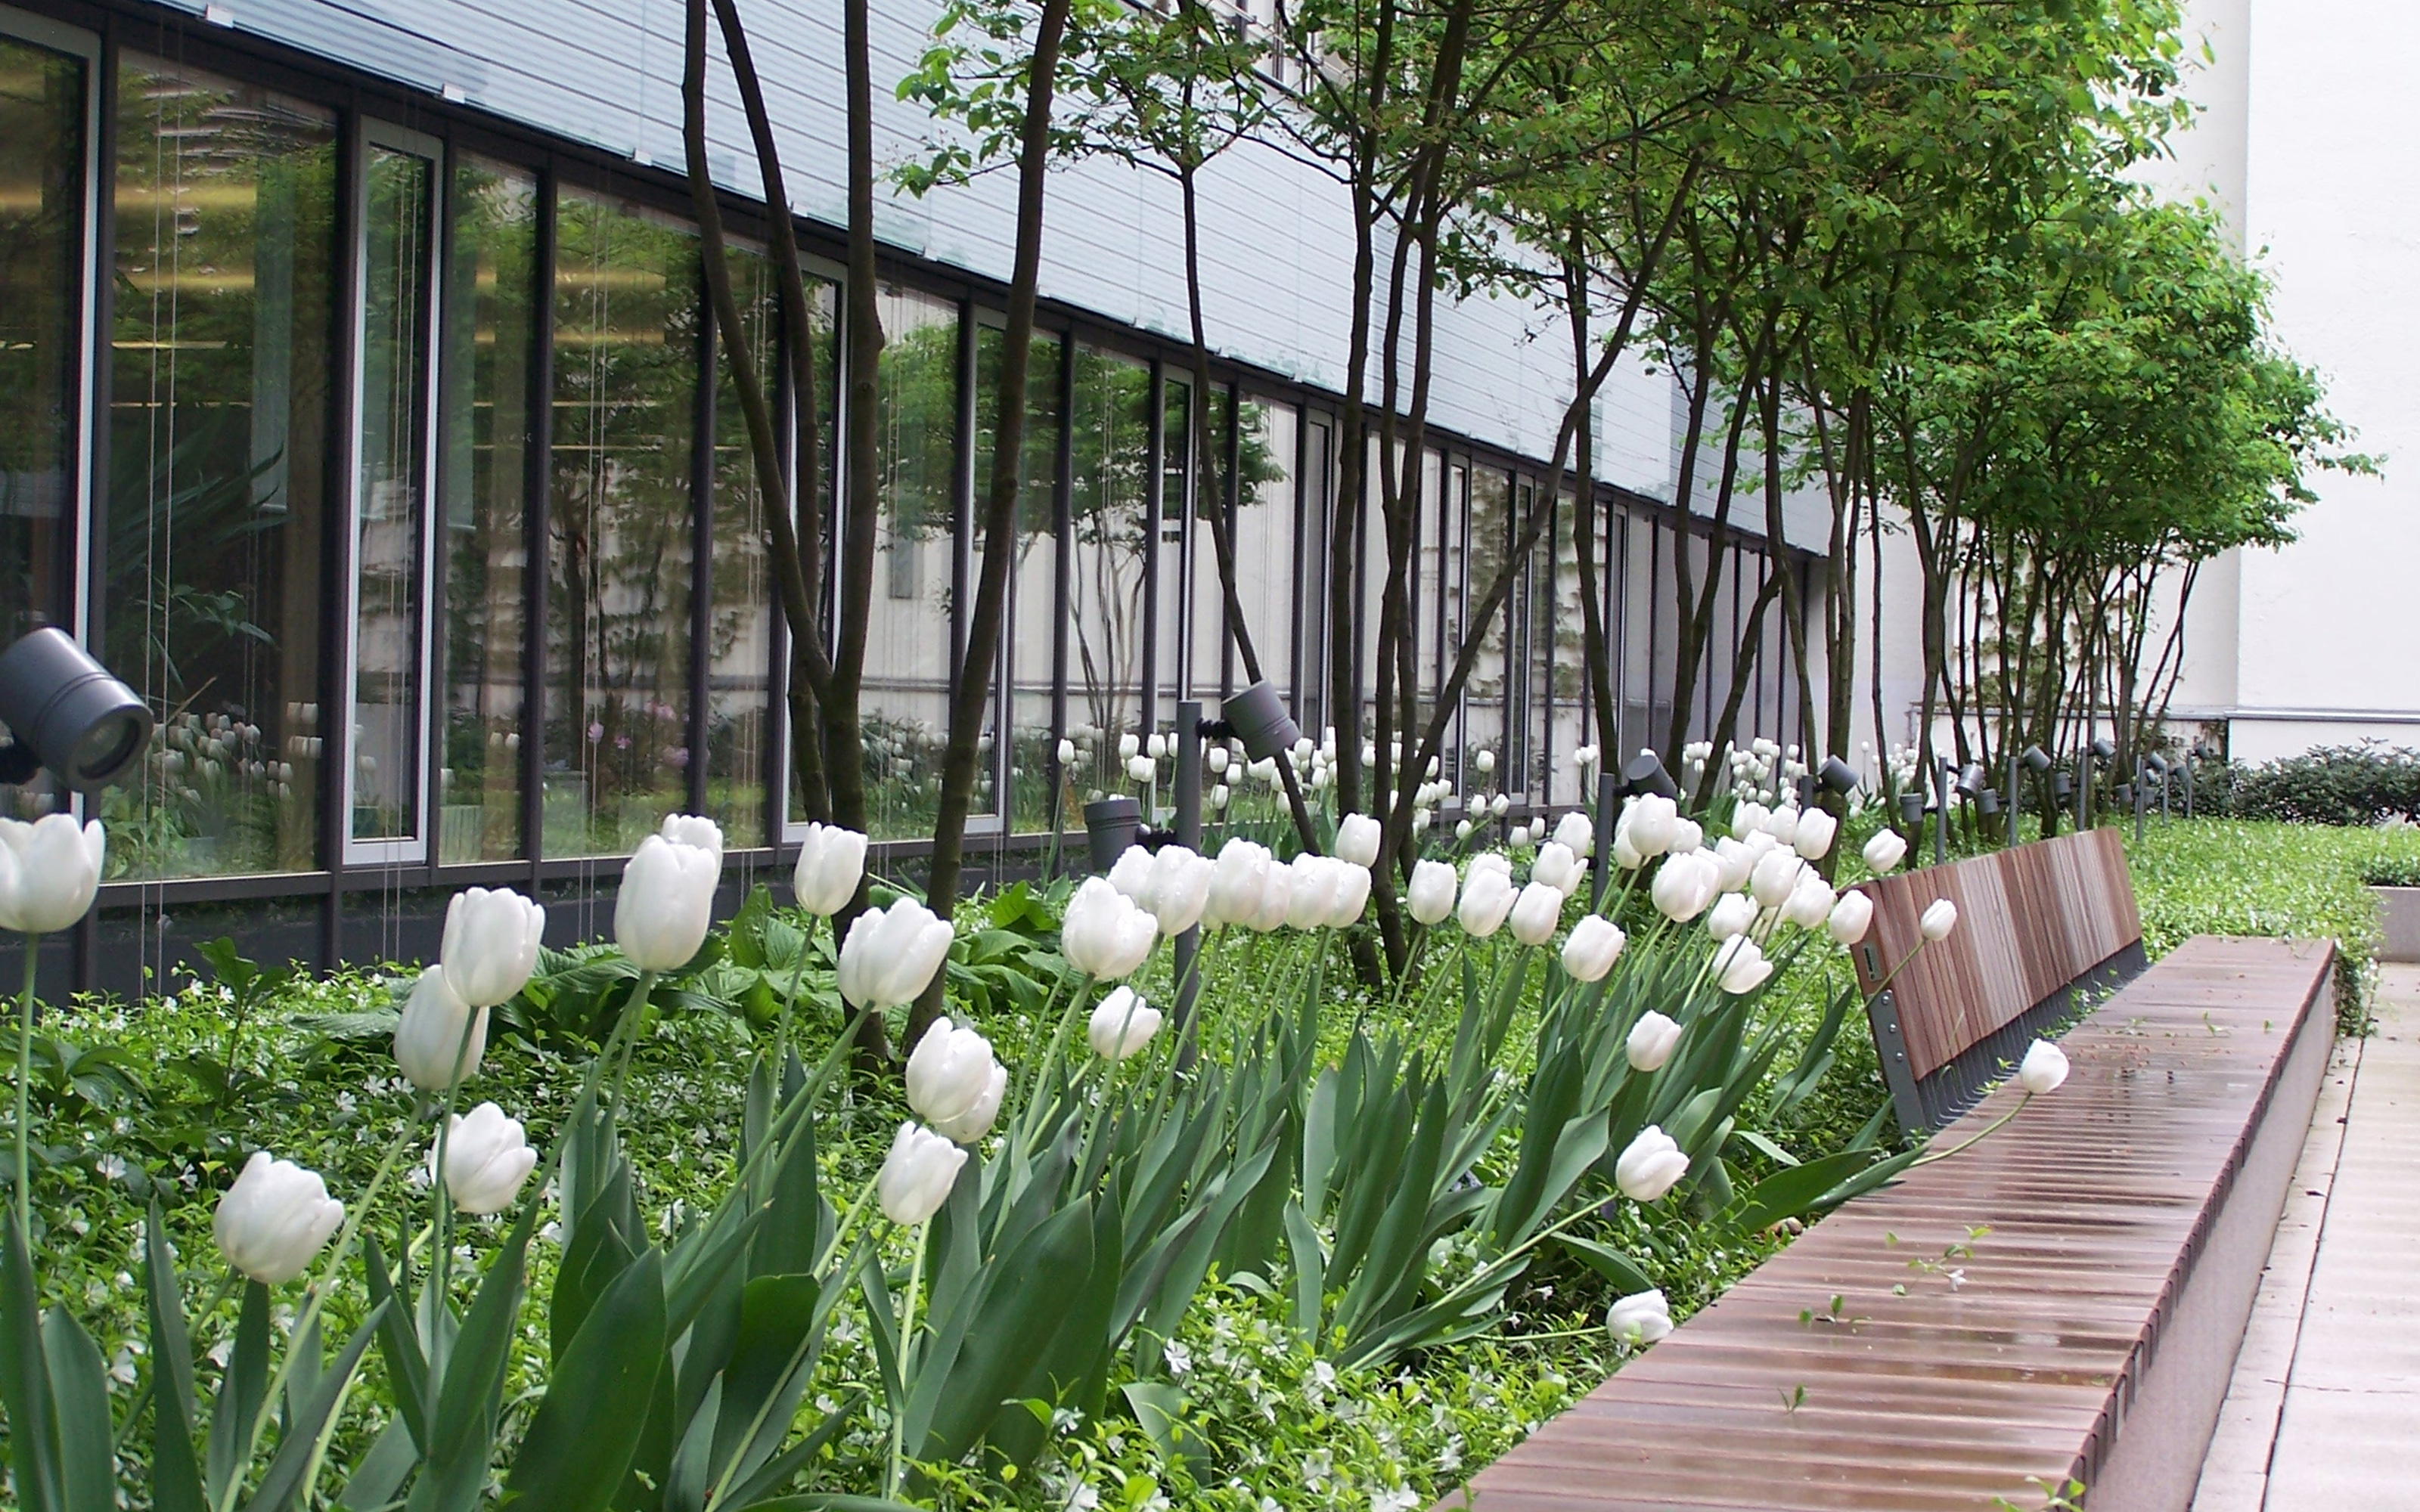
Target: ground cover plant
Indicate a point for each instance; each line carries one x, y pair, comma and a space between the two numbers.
1332, 1244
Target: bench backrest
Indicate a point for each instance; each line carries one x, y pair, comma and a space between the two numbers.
2037, 925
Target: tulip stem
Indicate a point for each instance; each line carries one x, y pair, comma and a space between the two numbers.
798, 984
23, 1192
907, 1365
1977, 1137
847, 1220
634, 1014
440, 1261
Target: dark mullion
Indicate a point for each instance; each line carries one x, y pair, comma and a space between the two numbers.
1230, 506
1154, 493
1300, 651
538, 473
101, 159
1062, 525
701, 576
777, 639
335, 539
962, 487
444, 382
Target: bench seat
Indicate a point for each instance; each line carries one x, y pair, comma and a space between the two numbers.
2088, 1335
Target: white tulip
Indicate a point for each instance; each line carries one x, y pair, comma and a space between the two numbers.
1131, 875
49, 872
1625, 854
1594, 945
1651, 821
1651, 1041
1220, 797
1236, 878
1850, 918
1484, 761
1105, 934
2043, 1069
1683, 886
428, 1034
1738, 862
1122, 1024
693, 829
1277, 898
1885, 851
1734, 912
1486, 898
1180, 888
1313, 898
1782, 825
1775, 878
1650, 1166
1809, 903
1519, 838
1748, 818
1431, 891
1217, 758
666, 901
1740, 966
1556, 867
954, 1082
832, 862
1816, 830
1939, 918
1687, 836
1640, 1319
1156, 746
1536, 912
1499, 805
1351, 895
491, 943
1496, 862
1461, 829
486, 1160
917, 1175
273, 1220
1066, 753
1141, 768
1128, 746
1577, 831
1356, 840
891, 954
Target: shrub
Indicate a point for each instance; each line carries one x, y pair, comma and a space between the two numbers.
2362, 784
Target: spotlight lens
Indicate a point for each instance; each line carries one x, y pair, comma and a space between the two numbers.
108, 748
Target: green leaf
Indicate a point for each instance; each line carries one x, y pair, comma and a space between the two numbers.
1160, 1409
462, 1424
1020, 1314
1608, 1262
240, 1389
586, 1427
80, 1393
775, 1346
379, 1475
175, 1477
406, 1368
306, 1428
25, 1378
1799, 1190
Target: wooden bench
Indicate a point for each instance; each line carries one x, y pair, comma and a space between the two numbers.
2063, 1302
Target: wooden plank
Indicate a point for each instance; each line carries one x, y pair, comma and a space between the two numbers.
1955, 1377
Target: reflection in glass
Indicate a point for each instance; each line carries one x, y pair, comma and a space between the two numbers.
1026, 654
41, 295
904, 706
491, 321
1483, 694
1264, 536
1107, 551
619, 526
390, 485
219, 377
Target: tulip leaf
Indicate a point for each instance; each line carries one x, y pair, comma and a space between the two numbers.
307, 1426
1608, 1262
685, 1482
784, 1467
1797, 1190
87, 1467
461, 1430
1018, 1321
379, 1472
586, 1430
1072, 1367
1310, 1268
1160, 1409
407, 1368
240, 1389
175, 1477
602, 1244
775, 1348
830, 1501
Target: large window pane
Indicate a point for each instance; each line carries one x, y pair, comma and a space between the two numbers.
1110, 439
1265, 448
904, 704
41, 295
620, 526
219, 373
1484, 693
1029, 650
491, 308
390, 494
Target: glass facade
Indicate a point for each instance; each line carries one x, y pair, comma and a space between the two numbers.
418, 500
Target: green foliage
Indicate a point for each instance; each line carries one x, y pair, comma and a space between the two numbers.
2361, 784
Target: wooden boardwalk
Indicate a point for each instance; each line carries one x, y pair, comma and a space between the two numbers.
2002, 1317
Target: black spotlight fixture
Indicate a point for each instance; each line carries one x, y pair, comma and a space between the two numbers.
2104, 749
1971, 779
1259, 719
1644, 773
1838, 775
1911, 809
2122, 795
2156, 765
2062, 787
2036, 759
67, 713
1987, 802
1111, 826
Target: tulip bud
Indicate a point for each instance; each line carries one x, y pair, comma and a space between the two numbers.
273, 1220
1939, 918
1519, 838
1484, 761
1180, 888
1816, 829
1594, 945
1651, 821
1356, 840
666, 901
1277, 898
49, 872
955, 1084
1128, 746
1156, 746
1461, 829
1774, 877
1486, 898
1556, 867
1575, 833
1431, 891
832, 862
1740, 966
1350, 894
1809, 903
1651, 1041
1650, 1166
917, 1175
1748, 818
1236, 878
1499, 805
1683, 886
2043, 1069
1315, 892
693, 829
486, 1160
1885, 851
1105, 934
1782, 825
1536, 912
1066, 753
428, 1034
1738, 863
1141, 768
1220, 797
1625, 856
1734, 912
1640, 1319
891, 954
1131, 875
1850, 918
1122, 1024
1687, 836
1217, 759
491, 943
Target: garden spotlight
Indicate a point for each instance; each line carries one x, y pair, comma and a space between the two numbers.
66, 712
2036, 759
1113, 825
1838, 775
1645, 774
1259, 719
